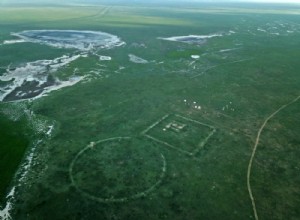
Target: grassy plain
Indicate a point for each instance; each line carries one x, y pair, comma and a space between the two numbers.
236, 89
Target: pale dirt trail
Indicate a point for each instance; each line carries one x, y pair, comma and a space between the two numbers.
254, 151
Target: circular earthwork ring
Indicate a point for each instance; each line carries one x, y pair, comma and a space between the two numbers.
90, 166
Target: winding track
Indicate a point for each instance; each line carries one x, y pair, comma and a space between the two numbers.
254, 151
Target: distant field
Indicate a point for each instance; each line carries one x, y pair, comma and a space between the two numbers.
195, 120
100, 15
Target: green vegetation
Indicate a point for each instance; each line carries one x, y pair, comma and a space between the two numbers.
13, 144
239, 80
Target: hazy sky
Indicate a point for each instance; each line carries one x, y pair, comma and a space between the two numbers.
281, 1
99, 1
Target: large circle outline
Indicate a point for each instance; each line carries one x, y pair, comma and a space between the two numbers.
112, 199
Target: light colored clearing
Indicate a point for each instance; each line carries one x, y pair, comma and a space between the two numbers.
262, 30
37, 71
228, 50
254, 151
190, 38
104, 58
5, 213
195, 56
37, 124
72, 39
138, 45
28, 162
101, 57
275, 34
136, 59
11, 193
49, 132
14, 41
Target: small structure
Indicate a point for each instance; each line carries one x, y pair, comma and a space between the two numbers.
176, 126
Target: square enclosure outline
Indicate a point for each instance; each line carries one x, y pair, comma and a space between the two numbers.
178, 127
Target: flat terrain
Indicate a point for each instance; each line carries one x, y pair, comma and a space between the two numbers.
155, 129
